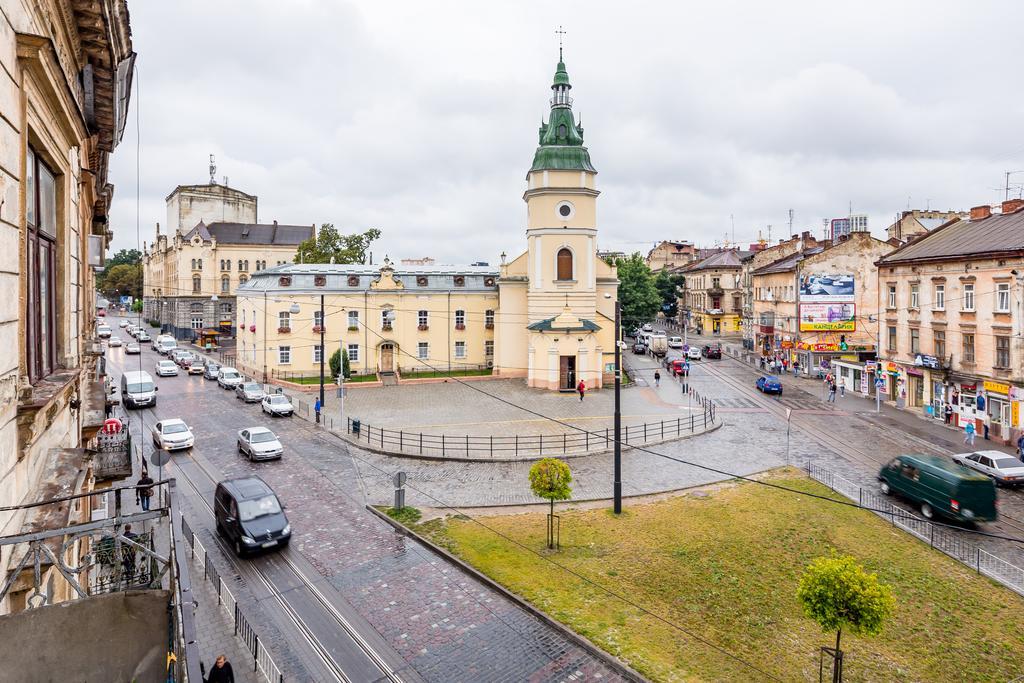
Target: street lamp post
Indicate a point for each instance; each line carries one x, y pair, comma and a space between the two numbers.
617, 417
323, 349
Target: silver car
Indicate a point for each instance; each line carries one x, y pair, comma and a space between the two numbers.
1004, 469
250, 392
166, 368
259, 443
115, 341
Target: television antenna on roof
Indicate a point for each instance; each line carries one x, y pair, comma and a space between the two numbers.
213, 170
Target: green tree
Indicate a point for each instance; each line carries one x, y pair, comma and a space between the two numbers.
838, 593
339, 364
122, 280
668, 287
637, 292
330, 244
550, 478
125, 257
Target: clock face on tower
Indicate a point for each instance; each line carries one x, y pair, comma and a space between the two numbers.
565, 210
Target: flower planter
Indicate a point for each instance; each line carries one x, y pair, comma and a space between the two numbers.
284, 330
252, 328
488, 326
353, 328
460, 327
318, 329
422, 328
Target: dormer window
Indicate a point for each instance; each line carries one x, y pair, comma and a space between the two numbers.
353, 280
488, 281
421, 281
319, 280
460, 281
285, 281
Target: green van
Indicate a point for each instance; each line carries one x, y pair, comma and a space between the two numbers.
940, 487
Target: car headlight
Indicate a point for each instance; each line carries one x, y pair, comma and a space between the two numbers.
287, 530
246, 539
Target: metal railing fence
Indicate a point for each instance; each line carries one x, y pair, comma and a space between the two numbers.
262, 661
954, 545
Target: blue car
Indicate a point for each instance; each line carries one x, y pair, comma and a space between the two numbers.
769, 384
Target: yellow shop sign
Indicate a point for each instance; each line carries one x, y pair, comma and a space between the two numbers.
997, 387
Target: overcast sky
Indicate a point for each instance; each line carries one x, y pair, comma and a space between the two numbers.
420, 118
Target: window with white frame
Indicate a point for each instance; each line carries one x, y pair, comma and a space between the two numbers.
968, 302
284, 320
385, 319
353, 320
489, 348
318, 319
1003, 297
423, 350
460, 319
891, 303
353, 353
489, 317
915, 296
940, 297
197, 322
422, 318
460, 349
318, 353
225, 285
284, 355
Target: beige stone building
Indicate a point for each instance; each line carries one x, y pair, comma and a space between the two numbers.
66, 79
950, 321
190, 275
670, 254
546, 315
772, 321
916, 222
713, 294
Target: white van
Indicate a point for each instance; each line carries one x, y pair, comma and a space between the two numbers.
138, 390
165, 343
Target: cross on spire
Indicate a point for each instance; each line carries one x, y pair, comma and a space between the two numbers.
560, 33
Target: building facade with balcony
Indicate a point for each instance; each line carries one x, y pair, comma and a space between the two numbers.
712, 298
190, 276
771, 327
950, 319
68, 68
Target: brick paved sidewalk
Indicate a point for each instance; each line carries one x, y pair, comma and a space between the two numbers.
215, 630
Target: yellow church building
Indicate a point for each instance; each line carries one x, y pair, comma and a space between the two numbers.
546, 316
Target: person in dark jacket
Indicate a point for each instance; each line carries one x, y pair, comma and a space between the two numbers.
144, 490
221, 671
582, 388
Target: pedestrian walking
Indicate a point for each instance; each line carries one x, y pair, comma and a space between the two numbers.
969, 431
948, 411
842, 386
831, 392
582, 388
221, 671
796, 368
657, 378
316, 409
144, 490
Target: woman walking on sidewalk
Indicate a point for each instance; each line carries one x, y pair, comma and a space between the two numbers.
582, 388
969, 431
657, 378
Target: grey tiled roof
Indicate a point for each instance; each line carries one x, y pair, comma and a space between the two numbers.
438, 278
999, 233
787, 263
724, 259
253, 233
547, 326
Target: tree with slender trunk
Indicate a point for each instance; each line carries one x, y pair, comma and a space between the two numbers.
837, 592
550, 478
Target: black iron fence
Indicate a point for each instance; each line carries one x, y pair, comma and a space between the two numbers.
263, 664
525, 447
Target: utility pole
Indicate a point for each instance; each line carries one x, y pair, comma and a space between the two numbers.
617, 481
323, 349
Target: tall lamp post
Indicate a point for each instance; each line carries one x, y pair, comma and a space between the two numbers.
617, 417
323, 349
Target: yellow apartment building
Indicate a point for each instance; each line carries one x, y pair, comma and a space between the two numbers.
713, 294
547, 315
950, 321
190, 276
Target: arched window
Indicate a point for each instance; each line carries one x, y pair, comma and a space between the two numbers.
242, 279
247, 264
197, 285
564, 264
199, 264
240, 264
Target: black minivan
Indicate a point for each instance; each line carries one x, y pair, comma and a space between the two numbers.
250, 516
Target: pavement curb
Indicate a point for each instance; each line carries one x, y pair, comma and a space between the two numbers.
344, 436
614, 662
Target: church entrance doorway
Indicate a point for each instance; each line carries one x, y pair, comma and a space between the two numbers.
387, 357
567, 373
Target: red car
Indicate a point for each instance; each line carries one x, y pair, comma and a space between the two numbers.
678, 365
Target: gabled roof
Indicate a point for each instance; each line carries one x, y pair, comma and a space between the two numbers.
724, 259
787, 263
999, 233
253, 233
549, 325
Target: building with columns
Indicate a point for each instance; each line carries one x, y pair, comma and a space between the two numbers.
546, 315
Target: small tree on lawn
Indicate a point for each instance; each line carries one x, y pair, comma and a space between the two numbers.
837, 592
550, 478
339, 364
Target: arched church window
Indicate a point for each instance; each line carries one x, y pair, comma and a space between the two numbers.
564, 264
562, 130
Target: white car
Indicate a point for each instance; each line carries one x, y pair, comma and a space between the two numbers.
115, 341
277, 404
675, 342
172, 434
648, 327
259, 443
229, 378
1004, 469
123, 323
104, 332
166, 368
693, 353
132, 348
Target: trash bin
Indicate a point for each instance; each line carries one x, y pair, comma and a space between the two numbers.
355, 426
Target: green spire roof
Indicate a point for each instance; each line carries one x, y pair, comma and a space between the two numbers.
561, 138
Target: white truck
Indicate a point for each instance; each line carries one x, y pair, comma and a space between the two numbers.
658, 345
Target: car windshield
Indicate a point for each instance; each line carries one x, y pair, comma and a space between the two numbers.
249, 510
166, 364
262, 437
1006, 463
175, 429
230, 375
279, 400
139, 387
251, 386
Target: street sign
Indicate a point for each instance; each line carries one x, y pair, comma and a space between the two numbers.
879, 382
398, 479
160, 458
686, 347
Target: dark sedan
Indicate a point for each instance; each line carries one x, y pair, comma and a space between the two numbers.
769, 384
711, 351
639, 348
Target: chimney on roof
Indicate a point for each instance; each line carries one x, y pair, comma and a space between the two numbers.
158, 229
1013, 205
980, 213
273, 233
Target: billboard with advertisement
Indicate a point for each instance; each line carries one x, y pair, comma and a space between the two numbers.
828, 317
833, 287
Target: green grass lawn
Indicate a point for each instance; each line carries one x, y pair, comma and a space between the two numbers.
315, 379
725, 566
442, 373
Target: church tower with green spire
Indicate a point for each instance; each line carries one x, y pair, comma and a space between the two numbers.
565, 291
